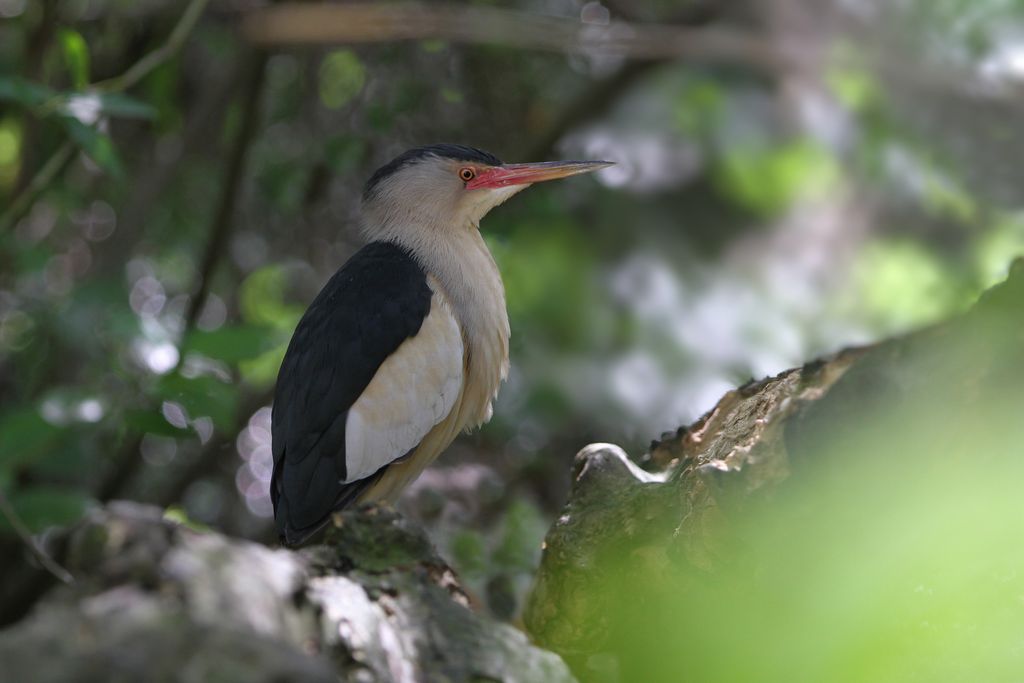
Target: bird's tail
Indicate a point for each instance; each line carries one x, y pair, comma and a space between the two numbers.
293, 537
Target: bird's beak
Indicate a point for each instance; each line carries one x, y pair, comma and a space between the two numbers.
527, 174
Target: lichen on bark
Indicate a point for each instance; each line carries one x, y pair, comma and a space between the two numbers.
154, 600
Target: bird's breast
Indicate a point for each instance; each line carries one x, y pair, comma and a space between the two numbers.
472, 285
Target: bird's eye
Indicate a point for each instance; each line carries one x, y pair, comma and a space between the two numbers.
467, 174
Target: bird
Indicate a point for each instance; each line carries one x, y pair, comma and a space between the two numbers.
405, 346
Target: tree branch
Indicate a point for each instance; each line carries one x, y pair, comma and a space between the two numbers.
56, 164
47, 562
222, 221
127, 461
53, 167
389, 22
602, 93
298, 24
157, 57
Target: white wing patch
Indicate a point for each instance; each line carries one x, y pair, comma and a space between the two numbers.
413, 390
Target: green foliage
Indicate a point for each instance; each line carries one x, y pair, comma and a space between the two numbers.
24, 437
342, 76
854, 87
716, 164
344, 153
98, 146
203, 396
769, 180
119, 105
519, 550
263, 307
24, 92
901, 282
177, 514
1000, 246
469, 554
152, 422
231, 343
77, 112
161, 93
87, 104
888, 573
10, 139
40, 507
533, 266
889, 551
700, 104
76, 56
261, 300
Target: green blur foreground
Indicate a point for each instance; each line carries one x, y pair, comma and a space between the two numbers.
178, 179
870, 533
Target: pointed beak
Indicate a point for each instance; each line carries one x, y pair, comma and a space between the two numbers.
527, 174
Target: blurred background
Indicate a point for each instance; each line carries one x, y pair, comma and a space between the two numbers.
178, 179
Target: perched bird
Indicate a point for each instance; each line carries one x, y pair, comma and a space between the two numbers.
407, 343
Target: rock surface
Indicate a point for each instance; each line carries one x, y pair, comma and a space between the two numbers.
156, 601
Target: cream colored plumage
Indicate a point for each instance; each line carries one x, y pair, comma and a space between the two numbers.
468, 293
406, 346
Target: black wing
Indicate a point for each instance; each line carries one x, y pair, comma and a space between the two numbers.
376, 301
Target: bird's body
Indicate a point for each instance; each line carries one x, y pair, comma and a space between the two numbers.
404, 348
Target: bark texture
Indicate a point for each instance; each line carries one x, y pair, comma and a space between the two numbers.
633, 538
155, 601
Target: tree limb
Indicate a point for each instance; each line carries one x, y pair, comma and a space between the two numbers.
44, 559
24, 200
127, 461
157, 57
56, 164
306, 24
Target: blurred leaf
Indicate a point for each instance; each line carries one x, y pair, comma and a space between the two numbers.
283, 184
72, 461
152, 422
232, 344
699, 106
262, 300
202, 396
76, 56
535, 262
176, 513
342, 76
452, 96
433, 46
23, 92
161, 91
344, 153
855, 88
998, 248
10, 151
947, 198
380, 117
262, 370
520, 547
768, 181
98, 146
24, 436
123, 106
901, 283
468, 553
40, 507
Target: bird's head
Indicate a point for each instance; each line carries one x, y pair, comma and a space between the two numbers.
449, 188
